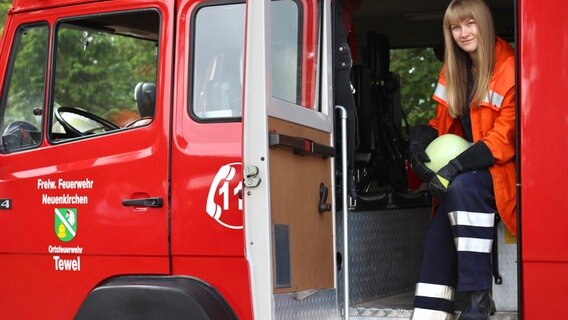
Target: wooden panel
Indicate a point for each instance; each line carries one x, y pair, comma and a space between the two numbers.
294, 183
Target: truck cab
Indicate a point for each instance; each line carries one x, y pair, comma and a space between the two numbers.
189, 158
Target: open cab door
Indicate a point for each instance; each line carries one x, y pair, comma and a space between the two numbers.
288, 152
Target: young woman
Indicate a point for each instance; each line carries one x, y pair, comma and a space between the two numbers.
476, 100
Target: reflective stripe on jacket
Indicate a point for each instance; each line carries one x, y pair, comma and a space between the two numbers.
492, 122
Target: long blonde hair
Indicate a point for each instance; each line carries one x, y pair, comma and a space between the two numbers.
456, 59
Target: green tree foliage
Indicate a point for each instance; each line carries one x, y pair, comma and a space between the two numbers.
101, 63
26, 83
4, 6
418, 69
95, 69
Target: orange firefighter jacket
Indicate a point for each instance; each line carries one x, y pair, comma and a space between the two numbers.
492, 122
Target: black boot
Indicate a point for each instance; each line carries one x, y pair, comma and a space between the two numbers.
480, 306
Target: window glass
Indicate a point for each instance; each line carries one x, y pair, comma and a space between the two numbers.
286, 51
105, 73
24, 91
219, 52
218, 61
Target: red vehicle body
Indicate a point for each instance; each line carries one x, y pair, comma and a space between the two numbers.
151, 240
543, 241
158, 218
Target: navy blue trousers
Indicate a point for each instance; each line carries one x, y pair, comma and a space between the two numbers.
457, 246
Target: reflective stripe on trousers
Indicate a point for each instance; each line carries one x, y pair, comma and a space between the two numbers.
457, 245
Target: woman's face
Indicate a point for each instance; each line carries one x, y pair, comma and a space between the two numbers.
465, 35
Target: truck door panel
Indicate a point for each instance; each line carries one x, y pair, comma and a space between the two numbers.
207, 237
206, 158
68, 225
295, 180
282, 98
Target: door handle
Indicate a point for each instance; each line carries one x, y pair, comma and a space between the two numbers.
323, 206
155, 202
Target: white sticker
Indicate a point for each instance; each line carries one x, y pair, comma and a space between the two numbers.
224, 200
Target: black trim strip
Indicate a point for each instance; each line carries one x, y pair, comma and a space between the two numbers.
300, 146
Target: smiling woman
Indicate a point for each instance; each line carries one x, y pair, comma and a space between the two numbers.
465, 35
476, 100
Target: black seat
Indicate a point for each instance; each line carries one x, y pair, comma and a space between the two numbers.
386, 81
381, 151
378, 55
20, 134
366, 112
364, 79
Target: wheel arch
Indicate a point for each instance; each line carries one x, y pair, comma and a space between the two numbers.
155, 297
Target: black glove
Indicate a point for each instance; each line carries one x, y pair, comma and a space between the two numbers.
420, 138
478, 156
441, 180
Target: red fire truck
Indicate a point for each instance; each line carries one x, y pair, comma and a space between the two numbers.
182, 159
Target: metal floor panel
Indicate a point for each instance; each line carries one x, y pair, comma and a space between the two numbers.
394, 307
320, 305
384, 251
384, 254
505, 294
400, 307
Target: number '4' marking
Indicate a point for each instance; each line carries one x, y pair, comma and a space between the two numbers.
5, 204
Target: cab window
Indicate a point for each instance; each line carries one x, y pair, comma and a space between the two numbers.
218, 53
218, 42
104, 74
24, 90
286, 51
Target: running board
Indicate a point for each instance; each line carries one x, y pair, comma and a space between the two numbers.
400, 307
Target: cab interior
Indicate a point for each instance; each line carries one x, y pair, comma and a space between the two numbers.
396, 48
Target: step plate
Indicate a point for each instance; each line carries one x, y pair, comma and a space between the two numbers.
361, 313
400, 307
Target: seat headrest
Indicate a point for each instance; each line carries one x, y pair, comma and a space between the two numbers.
19, 126
145, 96
20, 134
378, 55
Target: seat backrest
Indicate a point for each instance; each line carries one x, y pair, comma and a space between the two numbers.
389, 97
366, 109
145, 96
390, 154
378, 55
368, 98
19, 134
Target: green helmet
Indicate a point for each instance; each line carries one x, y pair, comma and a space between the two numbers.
444, 149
